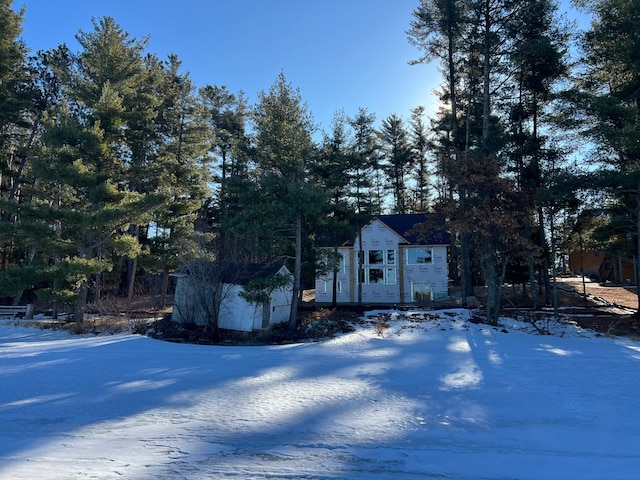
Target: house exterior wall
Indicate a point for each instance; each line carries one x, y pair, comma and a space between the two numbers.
381, 282
344, 280
424, 281
392, 272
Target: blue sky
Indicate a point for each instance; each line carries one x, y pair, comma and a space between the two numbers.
341, 54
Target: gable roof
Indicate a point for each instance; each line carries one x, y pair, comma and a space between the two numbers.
418, 228
255, 271
232, 273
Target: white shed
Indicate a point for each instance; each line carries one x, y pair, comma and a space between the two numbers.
209, 291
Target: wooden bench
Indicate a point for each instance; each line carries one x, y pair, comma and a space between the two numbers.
10, 312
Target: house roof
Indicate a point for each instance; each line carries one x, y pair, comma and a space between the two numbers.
233, 273
418, 228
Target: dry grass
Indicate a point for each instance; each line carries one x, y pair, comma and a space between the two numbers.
117, 315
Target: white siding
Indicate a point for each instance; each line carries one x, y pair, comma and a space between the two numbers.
235, 312
377, 237
435, 273
387, 278
280, 305
324, 284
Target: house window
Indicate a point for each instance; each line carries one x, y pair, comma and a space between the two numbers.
382, 275
327, 286
391, 276
391, 257
374, 271
381, 257
376, 275
375, 257
419, 256
421, 291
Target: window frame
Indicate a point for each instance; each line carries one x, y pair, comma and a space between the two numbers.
391, 276
428, 290
413, 259
381, 257
386, 257
390, 258
380, 279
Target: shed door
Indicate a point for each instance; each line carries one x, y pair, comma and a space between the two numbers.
266, 315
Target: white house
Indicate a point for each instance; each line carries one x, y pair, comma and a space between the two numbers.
209, 291
394, 259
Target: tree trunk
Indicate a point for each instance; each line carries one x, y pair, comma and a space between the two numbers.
18, 297
81, 303
164, 288
465, 254
531, 266
132, 266
637, 255
360, 274
297, 272
584, 283
493, 293
334, 293
545, 260
553, 269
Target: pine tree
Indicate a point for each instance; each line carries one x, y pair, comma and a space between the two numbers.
478, 42
397, 159
227, 116
334, 171
421, 147
88, 158
538, 64
179, 168
611, 94
283, 196
15, 96
365, 162
333, 167
20, 115
439, 30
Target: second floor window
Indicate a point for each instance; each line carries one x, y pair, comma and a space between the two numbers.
419, 256
381, 257
375, 257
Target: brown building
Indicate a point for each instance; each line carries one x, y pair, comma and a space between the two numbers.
602, 267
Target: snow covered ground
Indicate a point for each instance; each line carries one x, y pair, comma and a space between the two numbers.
441, 399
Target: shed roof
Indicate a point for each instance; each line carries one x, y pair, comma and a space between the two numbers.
233, 273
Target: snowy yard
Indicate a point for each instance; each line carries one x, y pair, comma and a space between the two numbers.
441, 399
